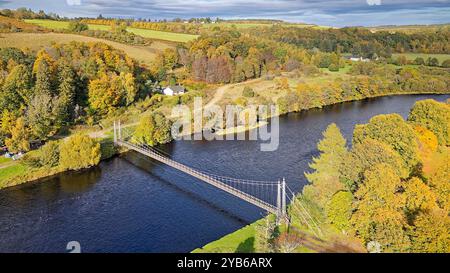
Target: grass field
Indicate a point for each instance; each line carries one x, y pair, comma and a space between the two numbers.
35, 41
11, 171
51, 24
240, 241
413, 56
146, 33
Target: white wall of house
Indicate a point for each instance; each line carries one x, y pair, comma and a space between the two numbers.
168, 92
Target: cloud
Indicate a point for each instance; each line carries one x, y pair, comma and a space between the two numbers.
373, 2
324, 12
73, 2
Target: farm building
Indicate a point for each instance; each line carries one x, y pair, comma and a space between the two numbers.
174, 90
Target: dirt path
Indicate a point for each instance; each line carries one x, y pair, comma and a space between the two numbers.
221, 91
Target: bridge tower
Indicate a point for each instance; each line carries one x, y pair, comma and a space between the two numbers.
281, 200
117, 131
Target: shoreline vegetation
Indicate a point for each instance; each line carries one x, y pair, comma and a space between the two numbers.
22, 176
368, 193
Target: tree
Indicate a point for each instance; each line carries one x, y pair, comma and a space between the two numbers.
438, 174
379, 210
111, 91
366, 154
264, 235
77, 26
419, 196
428, 142
16, 88
19, 140
67, 92
153, 129
325, 178
419, 61
42, 116
394, 131
431, 61
446, 63
431, 232
248, 92
49, 154
288, 242
79, 152
339, 210
433, 115
44, 71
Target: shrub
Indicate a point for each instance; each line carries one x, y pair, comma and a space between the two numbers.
79, 152
446, 63
76, 26
248, 92
49, 154
333, 68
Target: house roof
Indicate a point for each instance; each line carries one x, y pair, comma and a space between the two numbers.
176, 88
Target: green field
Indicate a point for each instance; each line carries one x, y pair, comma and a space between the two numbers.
11, 171
62, 24
146, 33
413, 56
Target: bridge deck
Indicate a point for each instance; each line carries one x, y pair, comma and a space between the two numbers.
245, 196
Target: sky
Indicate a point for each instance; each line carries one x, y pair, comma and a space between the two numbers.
322, 12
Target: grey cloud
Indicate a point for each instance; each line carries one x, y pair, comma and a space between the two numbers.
326, 12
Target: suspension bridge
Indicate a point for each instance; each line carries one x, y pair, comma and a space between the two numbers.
271, 196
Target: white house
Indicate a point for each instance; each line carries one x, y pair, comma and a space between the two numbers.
174, 90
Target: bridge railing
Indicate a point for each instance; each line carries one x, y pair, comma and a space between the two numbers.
279, 204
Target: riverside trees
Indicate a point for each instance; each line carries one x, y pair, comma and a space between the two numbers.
397, 196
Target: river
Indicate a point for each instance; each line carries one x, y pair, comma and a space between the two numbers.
134, 204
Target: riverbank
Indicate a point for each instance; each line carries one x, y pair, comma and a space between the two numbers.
133, 204
17, 174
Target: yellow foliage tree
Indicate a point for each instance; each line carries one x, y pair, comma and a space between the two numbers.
19, 140
428, 142
79, 152
431, 232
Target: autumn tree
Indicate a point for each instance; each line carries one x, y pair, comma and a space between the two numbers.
79, 152
431, 232
111, 91
434, 116
379, 210
20, 138
16, 88
153, 129
368, 153
339, 210
394, 131
325, 180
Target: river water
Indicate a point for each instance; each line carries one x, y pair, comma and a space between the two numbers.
134, 204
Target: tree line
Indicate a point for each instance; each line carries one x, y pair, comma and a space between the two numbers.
390, 188
46, 92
